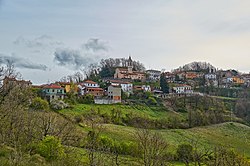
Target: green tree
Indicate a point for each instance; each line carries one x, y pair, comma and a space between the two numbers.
163, 83
39, 104
51, 148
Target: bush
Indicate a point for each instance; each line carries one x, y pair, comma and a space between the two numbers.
152, 101
58, 104
184, 152
87, 99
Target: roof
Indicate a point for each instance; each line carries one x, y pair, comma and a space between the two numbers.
120, 82
52, 86
89, 82
64, 83
15, 80
98, 89
181, 85
115, 86
155, 71
122, 68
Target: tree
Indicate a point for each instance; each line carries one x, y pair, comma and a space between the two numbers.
163, 83
152, 147
184, 153
51, 148
224, 156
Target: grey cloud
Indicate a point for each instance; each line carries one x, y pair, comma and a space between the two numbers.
94, 45
71, 58
41, 41
21, 63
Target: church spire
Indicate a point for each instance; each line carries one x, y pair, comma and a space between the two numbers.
130, 65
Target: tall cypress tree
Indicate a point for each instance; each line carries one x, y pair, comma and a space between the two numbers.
163, 83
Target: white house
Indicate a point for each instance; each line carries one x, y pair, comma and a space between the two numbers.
91, 84
182, 89
146, 88
153, 74
125, 86
210, 76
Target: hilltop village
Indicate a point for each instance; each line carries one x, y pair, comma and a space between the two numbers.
119, 113
196, 78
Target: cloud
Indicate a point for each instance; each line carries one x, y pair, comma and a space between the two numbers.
95, 45
41, 41
21, 63
72, 58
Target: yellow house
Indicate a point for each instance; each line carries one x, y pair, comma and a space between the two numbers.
238, 80
68, 86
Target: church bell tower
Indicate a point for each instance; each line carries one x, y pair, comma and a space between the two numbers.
130, 65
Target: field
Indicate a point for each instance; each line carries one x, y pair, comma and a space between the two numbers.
231, 135
140, 110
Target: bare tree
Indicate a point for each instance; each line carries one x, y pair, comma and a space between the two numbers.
152, 146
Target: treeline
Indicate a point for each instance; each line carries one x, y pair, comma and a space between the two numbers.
105, 68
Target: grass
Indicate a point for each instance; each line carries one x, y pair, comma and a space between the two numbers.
233, 135
140, 110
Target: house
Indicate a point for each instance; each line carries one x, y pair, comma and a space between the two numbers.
96, 92
238, 80
182, 89
191, 75
53, 92
90, 87
144, 88
68, 86
210, 76
114, 93
153, 75
170, 77
128, 73
11, 81
125, 86
246, 78
91, 84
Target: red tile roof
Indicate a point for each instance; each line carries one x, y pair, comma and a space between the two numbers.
119, 81
89, 82
97, 89
52, 86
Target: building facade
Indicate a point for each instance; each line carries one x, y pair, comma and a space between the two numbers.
114, 93
53, 92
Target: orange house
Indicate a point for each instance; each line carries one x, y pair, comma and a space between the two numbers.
96, 92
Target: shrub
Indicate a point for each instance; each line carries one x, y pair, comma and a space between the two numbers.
58, 104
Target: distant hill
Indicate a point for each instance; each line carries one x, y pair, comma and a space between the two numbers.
196, 66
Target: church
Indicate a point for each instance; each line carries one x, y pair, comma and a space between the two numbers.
128, 73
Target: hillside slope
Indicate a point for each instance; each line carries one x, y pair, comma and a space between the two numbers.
233, 135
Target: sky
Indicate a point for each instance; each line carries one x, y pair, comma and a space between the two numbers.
47, 40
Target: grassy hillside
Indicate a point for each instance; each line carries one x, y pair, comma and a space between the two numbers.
141, 110
233, 135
